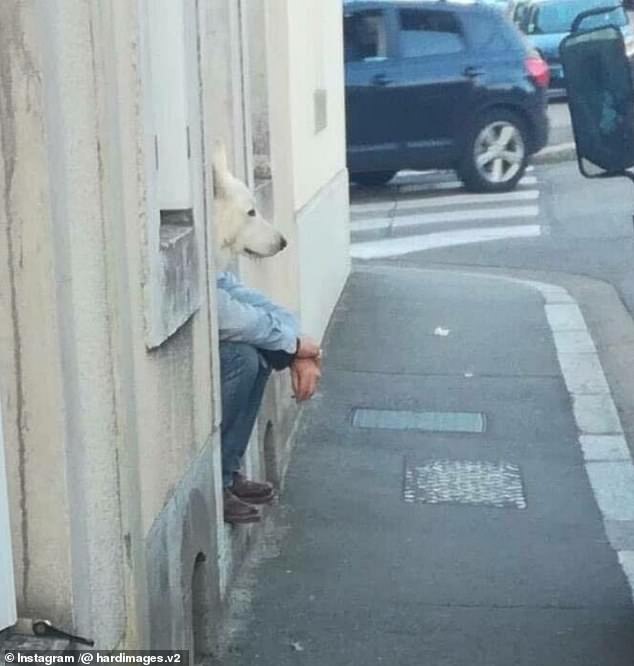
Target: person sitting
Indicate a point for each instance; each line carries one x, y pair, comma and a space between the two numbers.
256, 337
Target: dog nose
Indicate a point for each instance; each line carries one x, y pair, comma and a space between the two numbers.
283, 243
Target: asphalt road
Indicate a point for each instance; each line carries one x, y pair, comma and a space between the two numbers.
586, 230
560, 127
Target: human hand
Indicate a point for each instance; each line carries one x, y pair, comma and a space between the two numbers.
308, 348
305, 375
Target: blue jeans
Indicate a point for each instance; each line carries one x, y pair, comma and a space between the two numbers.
243, 377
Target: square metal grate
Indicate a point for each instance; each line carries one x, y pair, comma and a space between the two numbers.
473, 482
395, 419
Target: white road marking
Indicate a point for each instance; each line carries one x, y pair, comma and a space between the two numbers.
604, 447
372, 207
574, 342
583, 373
551, 293
564, 317
479, 214
451, 205
412, 172
448, 217
371, 224
596, 415
454, 185
626, 560
613, 486
392, 247
469, 199
360, 210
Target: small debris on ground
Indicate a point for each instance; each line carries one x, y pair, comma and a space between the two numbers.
443, 332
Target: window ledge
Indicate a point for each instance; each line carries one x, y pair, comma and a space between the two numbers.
172, 235
176, 291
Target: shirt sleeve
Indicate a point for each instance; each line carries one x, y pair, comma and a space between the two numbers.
246, 315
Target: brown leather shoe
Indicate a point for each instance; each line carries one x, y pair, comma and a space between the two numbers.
252, 492
236, 511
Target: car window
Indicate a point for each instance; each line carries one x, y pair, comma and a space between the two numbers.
557, 17
519, 13
529, 18
425, 33
488, 34
365, 35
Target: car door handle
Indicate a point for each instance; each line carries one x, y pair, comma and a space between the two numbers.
473, 72
381, 80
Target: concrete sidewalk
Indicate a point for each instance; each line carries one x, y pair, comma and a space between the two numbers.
473, 538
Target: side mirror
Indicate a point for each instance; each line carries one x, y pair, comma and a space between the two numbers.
601, 97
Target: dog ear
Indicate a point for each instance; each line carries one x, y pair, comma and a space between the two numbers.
220, 167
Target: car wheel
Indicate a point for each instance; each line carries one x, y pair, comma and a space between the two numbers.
372, 178
496, 153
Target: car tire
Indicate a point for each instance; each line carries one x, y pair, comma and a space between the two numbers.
372, 178
496, 153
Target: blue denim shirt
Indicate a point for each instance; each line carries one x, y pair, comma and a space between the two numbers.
246, 315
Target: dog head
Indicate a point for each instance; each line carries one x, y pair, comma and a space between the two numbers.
240, 227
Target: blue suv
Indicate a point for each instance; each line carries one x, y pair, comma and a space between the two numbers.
439, 85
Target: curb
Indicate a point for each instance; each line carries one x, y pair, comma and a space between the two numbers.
562, 152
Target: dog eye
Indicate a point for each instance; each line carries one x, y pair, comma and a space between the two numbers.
251, 213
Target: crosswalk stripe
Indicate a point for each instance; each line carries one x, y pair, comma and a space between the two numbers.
446, 217
440, 201
411, 173
407, 244
469, 215
454, 185
371, 224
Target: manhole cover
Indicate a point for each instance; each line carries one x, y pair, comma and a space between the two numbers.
472, 482
394, 419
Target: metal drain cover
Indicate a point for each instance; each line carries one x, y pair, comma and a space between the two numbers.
473, 482
394, 419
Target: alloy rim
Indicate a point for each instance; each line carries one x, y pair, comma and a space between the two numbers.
499, 152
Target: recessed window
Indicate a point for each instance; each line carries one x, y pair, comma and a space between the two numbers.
171, 114
166, 27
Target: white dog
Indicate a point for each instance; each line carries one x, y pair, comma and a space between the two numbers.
240, 229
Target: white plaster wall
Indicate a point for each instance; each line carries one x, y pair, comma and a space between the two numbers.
116, 24
305, 53
30, 360
316, 61
70, 39
281, 275
99, 431
174, 387
324, 252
